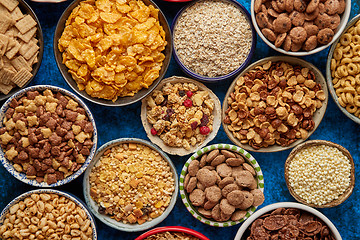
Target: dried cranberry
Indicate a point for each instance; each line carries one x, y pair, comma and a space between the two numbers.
101, 209
153, 131
189, 93
204, 120
182, 93
170, 111
204, 130
187, 103
194, 125
165, 101
166, 117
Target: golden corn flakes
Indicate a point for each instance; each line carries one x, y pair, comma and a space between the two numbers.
113, 48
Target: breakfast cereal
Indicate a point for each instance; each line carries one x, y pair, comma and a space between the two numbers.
172, 236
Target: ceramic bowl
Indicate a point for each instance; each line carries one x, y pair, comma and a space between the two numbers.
317, 117
69, 196
94, 206
197, 155
172, 229
340, 28
203, 78
121, 101
25, 8
22, 176
330, 76
177, 150
244, 231
308, 144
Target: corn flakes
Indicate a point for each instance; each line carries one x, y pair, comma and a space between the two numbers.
113, 48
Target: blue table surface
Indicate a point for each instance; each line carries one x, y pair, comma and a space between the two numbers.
119, 122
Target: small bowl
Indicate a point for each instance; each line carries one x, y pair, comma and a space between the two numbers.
121, 101
340, 28
329, 77
69, 196
176, 229
195, 75
310, 143
317, 117
21, 176
243, 230
185, 196
111, 222
25, 8
175, 150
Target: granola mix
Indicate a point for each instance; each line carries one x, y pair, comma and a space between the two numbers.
132, 183
181, 114
171, 236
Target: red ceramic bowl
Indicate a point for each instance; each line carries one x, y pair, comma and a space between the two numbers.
172, 229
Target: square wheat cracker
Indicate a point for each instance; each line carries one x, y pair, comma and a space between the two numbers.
28, 50
4, 40
22, 77
6, 75
28, 35
13, 51
12, 32
9, 4
33, 59
16, 14
5, 23
25, 24
19, 62
5, 89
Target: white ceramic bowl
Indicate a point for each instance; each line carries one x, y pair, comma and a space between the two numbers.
22, 176
93, 206
185, 196
73, 198
340, 28
271, 207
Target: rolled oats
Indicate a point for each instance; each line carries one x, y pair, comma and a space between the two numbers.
212, 38
132, 183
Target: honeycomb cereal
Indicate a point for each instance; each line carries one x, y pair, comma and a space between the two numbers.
113, 48
132, 183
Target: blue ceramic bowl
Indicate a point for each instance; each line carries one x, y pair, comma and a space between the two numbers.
22, 176
194, 75
69, 196
93, 206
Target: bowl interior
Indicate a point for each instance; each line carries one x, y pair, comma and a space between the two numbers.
185, 196
317, 117
229, 75
25, 8
344, 18
172, 229
121, 101
72, 197
343, 196
22, 176
329, 78
93, 206
241, 233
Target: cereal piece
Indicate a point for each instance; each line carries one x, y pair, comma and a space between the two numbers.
275, 222
248, 201
197, 197
9, 4
312, 16
227, 153
224, 170
6, 76
22, 77
235, 162
311, 30
258, 197
5, 23
331, 6
282, 24
244, 179
297, 19
13, 50
193, 168
28, 35
213, 194
25, 24
325, 36
298, 35
16, 14
229, 188
206, 177
212, 155
28, 50
335, 21
192, 184
270, 35
289, 5
226, 207
225, 181
235, 197
299, 5
312, 6
238, 214
218, 160
262, 20
20, 63
310, 43
280, 39
323, 21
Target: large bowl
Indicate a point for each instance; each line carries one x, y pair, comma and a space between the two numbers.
69, 196
241, 233
93, 206
121, 101
172, 229
341, 198
197, 155
340, 28
25, 8
317, 117
195, 75
21, 176
329, 77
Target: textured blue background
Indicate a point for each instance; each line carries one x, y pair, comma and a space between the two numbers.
118, 122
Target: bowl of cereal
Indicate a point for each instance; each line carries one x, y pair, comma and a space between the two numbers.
342, 71
21, 29
213, 40
172, 232
274, 104
140, 181
273, 219
37, 205
48, 136
299, 28
181, 115
118, 54
221, 185
320, 173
